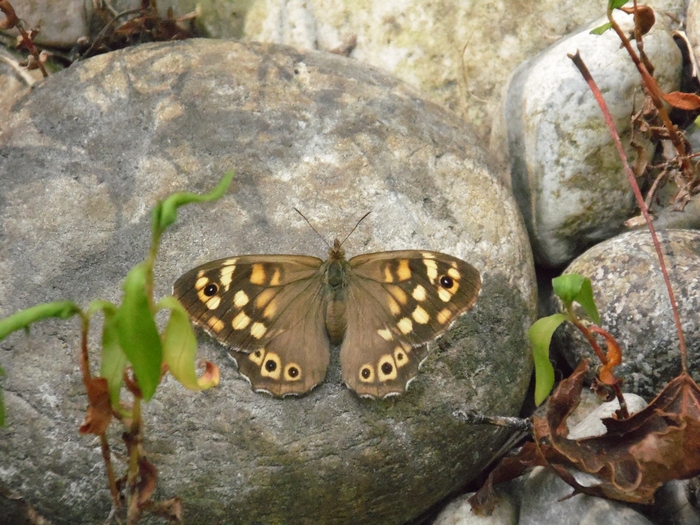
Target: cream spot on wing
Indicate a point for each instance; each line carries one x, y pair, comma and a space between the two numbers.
444, 315
265, 297
405, 325
454, 273
385, 334
240, 321
398, 294
227, 275
215, 323
420, 316
403, 271
272, 367
431, 268
366, 374
400, 357
444, 295
428, 255
231, 262
257, 356
388, 278
240, 299
257, 330
455, 287
257, 274
270, 309
394, 307
292, 372
201, 283
275, 281
213, 302
419, 293
386, 368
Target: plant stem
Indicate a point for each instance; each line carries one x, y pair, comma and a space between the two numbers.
640, 200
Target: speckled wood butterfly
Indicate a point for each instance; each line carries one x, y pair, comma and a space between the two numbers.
281, 313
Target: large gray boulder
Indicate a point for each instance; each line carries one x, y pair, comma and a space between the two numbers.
83, 158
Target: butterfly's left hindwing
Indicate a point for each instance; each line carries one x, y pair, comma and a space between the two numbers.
270, 310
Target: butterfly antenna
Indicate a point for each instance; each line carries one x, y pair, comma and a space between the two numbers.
312, 227
356, 225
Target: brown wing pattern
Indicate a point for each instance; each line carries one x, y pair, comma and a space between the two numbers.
397, 302
270, 310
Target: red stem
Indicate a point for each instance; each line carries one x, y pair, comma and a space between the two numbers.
640, 200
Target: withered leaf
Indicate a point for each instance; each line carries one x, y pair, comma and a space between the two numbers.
645, 15
99, 412
148, 479
11, 19
685, 101
632, 460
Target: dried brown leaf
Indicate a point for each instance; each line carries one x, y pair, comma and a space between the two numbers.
148, 479
11, 19
99, 412
636, 455
632, 460
685, 101
645, 16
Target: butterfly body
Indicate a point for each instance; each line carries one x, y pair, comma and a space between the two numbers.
281, 313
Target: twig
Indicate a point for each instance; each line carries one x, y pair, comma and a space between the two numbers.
474, 418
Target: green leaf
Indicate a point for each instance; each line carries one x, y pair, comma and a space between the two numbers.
585, 299
165, 212
601, 29
540, 335
180, 347
137, 332
113, 360
99, 305
23, 318
574, 287
616, 4
567, 287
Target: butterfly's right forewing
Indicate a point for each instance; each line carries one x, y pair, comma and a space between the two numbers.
270, 310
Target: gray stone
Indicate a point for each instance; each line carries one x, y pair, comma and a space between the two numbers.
564, 169
459, 54
633, 303
592, 424
542, 491
671, 506
459, 512
83, 158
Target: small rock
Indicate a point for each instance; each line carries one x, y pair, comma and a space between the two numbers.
633, 302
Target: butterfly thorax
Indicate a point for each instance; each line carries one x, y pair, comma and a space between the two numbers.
335, 269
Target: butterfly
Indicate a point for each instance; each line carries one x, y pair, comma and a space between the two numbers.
280, 314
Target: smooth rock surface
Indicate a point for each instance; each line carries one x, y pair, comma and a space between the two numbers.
83, 158
542, 491
564, 169
629, 291
459, 54
592, 424
459, 512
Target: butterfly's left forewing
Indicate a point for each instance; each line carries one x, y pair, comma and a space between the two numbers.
270, 310
397, 302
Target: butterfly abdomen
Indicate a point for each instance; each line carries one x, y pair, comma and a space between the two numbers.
336, 279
